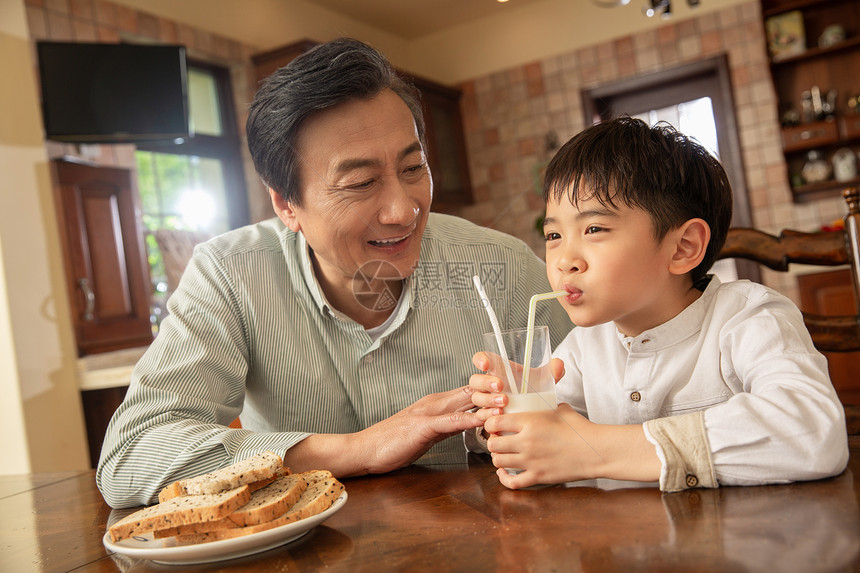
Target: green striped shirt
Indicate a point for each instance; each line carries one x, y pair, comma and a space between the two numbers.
251, 334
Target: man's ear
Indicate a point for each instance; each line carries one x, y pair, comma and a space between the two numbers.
284, 210
690, 242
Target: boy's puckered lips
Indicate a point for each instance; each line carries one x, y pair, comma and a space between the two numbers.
573, 294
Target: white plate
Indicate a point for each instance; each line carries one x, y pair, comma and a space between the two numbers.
164, 550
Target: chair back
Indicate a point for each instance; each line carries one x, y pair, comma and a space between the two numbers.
831, 248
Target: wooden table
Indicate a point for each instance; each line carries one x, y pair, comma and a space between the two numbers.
459, 518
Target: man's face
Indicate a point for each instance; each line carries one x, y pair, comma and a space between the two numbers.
366, 190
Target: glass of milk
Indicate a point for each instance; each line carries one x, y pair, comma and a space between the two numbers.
539, 390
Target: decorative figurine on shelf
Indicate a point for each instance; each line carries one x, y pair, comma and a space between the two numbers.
844, 165
816, 169
790, 118
831, 36
828, 105
807, 112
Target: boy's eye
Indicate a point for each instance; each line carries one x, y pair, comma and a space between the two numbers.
591, 229
551, 236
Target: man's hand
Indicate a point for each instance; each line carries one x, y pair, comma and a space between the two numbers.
392, 443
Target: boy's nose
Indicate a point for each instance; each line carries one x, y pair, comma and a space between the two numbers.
571, 264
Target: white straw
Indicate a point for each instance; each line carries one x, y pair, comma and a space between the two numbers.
496, 330
530, 333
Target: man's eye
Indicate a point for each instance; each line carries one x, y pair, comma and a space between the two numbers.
551, 236
362, 185
414, 169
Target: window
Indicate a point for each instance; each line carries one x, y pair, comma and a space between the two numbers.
194, 188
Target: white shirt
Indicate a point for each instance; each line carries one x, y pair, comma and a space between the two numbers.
742, 354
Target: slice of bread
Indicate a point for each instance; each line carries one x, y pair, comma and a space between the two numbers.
180, 511
319, 496
270, 502
256, 468
315, 475
223, 523
266, 504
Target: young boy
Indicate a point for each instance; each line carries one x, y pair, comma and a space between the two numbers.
670, 374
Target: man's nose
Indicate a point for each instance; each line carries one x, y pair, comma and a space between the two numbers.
399, 206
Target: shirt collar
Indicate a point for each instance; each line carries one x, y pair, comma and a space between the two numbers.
685, 324
309, 276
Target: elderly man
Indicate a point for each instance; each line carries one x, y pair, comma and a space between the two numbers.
341, 331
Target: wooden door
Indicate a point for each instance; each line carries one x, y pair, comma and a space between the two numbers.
107, 275
831, 293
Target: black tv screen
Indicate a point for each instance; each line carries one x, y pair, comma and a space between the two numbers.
113, 93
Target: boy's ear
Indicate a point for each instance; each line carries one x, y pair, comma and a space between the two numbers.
690, 244
285, 211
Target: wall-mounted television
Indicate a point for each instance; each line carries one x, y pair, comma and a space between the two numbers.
113, 93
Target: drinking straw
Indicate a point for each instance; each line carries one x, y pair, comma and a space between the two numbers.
530, 328
496, 330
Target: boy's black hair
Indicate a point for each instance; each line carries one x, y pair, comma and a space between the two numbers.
665, 173
342, 70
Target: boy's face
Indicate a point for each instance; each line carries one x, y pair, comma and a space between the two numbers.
611, 265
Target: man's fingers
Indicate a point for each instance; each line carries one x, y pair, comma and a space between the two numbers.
454, 422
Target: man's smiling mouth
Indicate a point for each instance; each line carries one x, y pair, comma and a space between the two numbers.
390, 242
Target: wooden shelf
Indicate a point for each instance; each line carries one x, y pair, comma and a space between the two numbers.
773, 8
823, 190
834, 68
815, 52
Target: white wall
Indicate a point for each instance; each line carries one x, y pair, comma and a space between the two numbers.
40, 431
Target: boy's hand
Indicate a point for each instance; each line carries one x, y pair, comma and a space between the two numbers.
553, 446
561, 445
488, 388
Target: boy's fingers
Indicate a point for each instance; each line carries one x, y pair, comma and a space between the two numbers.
485, 414
557, 368
481, 361
485, 400
485, 383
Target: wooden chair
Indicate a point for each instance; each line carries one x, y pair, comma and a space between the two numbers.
831, 248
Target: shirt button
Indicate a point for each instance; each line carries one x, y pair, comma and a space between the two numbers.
692, 481
635, 396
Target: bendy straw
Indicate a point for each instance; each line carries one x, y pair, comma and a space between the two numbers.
496, 329
530, 333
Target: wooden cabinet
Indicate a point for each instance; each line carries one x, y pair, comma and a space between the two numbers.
807, 68
446, 142
107, 276
831, 293
99, 406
